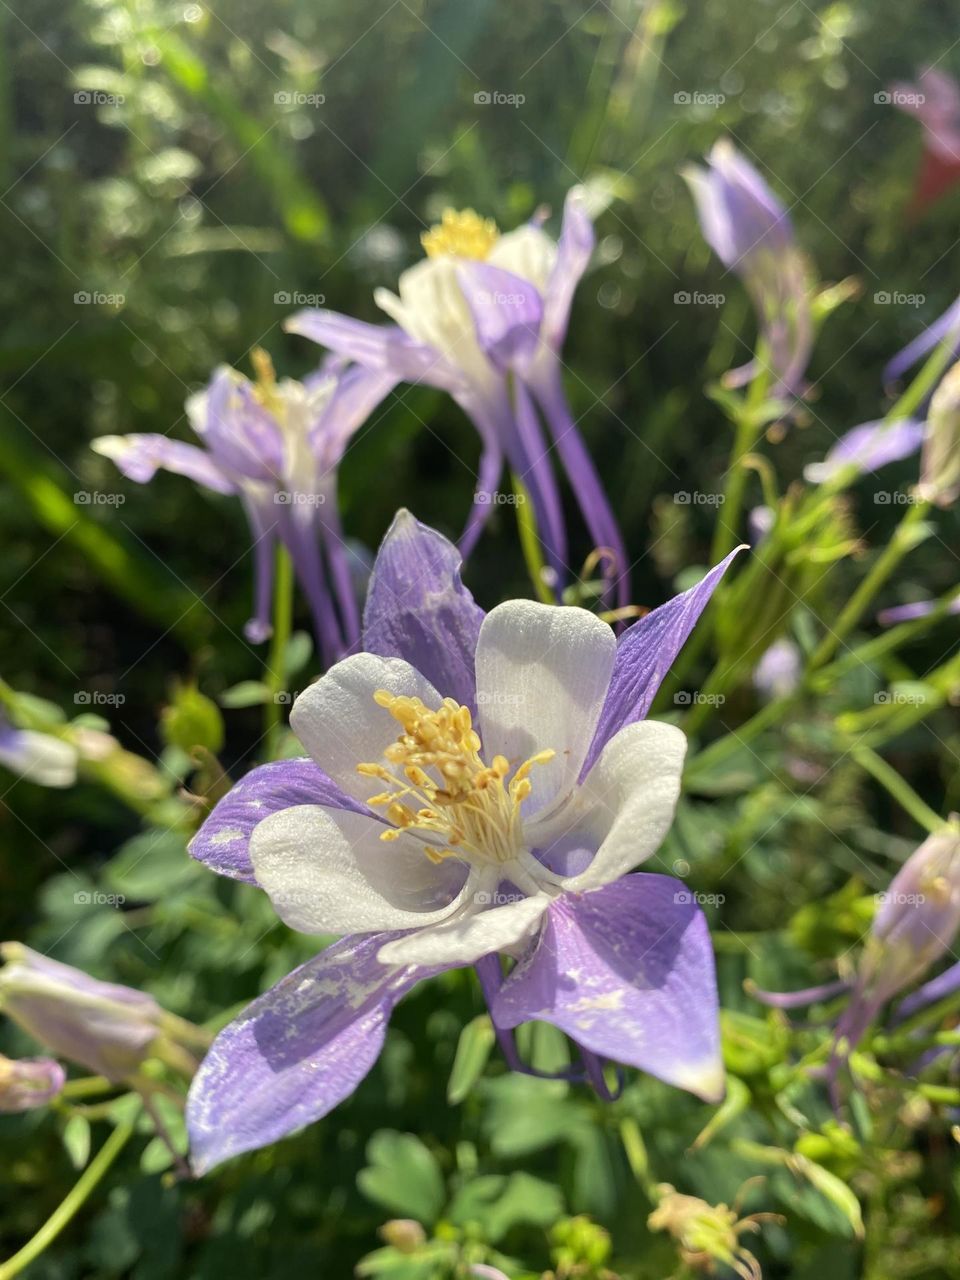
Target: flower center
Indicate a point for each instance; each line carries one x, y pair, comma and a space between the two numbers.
461, 234
440, 787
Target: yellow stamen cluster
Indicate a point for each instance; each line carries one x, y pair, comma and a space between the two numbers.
440, 787
462, 234
265, 386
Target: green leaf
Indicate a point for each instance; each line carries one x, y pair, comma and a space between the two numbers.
473, 1049
496, 1203
248, 693
403, 1176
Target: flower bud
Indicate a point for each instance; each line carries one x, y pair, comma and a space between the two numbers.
107, 1028
940, 467
38, 757
406, 1235
707, 1236
918, 917
28, 1082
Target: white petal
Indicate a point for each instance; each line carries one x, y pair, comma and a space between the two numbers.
328, 871
528, 252
40, 758
341, 726
472, 934
542, 674
626, 804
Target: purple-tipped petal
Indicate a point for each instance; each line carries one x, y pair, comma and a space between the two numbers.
868, 447
296, 1052
573, 254
627, 971
384, 347
646, 652
507, 311
800, 999
139, 457
418, 608
223, 842
944, 984
947, 324
909, 612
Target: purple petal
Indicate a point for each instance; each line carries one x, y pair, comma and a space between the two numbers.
917, 609
223, 842
26, 1083
627, 971
357, 394
139, 457
800, 999
376, 346
534, 470
944, 984
507, 311
240, 433
646, 652
868, 447
948, 323
263, 527
491, 417
738, 212
418, 608
296, 1052
573, 253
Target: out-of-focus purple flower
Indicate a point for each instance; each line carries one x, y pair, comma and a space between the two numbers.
107, 1028
277, 446
750, 232
915, 925
946, 327
465, 851
484, 317
940, 464
38, 757
935, 102
778, 671
27, 1083
916, 609
867, 448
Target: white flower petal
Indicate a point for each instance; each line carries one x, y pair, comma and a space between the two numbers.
341, 726
625, 805
528, 252
40, 758
472, 934
542, 674
328, 871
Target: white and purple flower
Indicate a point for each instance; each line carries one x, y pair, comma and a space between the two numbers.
478, 785
277, 445
484, 317
37, 757
750, 232
28, 1083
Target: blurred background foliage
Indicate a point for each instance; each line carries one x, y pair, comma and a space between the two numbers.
168, 158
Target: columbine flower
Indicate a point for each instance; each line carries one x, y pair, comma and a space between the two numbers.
750, 232
107, 1028
277, 445
38, 757
935, 102
26, 1083
478, 785
484, 317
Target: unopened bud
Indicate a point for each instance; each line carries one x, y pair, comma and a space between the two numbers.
940, 469
28, 1082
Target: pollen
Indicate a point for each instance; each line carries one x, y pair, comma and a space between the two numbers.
460, 234
440, 788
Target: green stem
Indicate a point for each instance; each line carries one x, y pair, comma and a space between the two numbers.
883, 567
748, 431
276, 665
899, 788
636, 1152
71, 1204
